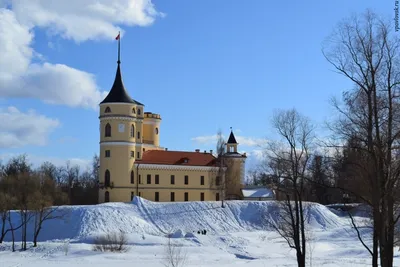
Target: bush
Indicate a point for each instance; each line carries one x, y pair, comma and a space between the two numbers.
112, 242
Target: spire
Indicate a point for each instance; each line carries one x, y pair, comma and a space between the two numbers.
118, 93
232, 139
119, 47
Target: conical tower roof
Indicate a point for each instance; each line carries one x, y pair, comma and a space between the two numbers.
118, 94
232, 139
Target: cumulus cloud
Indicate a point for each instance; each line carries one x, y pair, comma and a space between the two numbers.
20, 73
85, 20
19, 129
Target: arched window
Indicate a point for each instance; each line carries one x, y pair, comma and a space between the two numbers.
107, 110
106, 196
156, 130
132, 130
132, 177
138, 111
107, 179
133, 111
108, 130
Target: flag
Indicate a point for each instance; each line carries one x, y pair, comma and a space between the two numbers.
117, 38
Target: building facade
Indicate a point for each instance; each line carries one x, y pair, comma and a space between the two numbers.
132, 162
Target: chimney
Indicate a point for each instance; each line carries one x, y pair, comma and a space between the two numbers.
197, 150
211, 151
166, 149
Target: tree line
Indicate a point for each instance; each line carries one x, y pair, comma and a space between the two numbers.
35, 194
363, 163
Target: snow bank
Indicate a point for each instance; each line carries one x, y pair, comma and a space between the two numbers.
179, 218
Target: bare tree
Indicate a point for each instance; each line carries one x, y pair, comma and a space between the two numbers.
45, 197
217, 181
364, 50
290, 158
112, 242
175, 256
70, 174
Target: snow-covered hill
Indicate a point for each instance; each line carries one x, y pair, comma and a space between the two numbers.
154, 218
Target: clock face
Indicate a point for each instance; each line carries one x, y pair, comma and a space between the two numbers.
121, 127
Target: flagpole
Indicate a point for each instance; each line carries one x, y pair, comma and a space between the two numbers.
119, 47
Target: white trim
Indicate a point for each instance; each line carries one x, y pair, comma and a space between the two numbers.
119, 143
122, 118
144, 166
118, 103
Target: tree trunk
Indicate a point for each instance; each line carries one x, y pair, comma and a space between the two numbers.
375, 248
3, 227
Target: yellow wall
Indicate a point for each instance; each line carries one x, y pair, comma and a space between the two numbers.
122, 190
120, 163
124, 194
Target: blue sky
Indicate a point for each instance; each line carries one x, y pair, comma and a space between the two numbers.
203, 65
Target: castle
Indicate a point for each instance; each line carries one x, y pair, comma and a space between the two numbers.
132, 162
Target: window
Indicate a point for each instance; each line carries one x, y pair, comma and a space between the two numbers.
140, 194
157, 196
107, 110
108, 130
132, 196
148, 178
156, 130
132, 154
108, 153
140, 179
106, 196
186, 179
132, 130
202, 180
186, 196
138, 135
138, 155
132, 177
217, 196
172, 196
139, 111
201, 196
172, 179
133, 111
107, 178
217, 180
157, 179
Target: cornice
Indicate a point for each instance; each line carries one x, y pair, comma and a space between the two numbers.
145, 166
120, 117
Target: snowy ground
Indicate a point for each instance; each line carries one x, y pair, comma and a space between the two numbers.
236, 235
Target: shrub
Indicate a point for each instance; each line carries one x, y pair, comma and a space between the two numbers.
112, 242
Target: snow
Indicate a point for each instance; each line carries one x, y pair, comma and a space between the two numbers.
236, 235
257, 193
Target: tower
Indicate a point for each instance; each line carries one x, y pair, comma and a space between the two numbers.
235, 163
121, 128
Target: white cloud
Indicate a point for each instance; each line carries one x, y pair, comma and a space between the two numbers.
85, 20
242, 140
257, 154
20, 129
36, 160
74, 19
206, 139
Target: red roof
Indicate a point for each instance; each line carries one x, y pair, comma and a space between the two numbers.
177, 158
